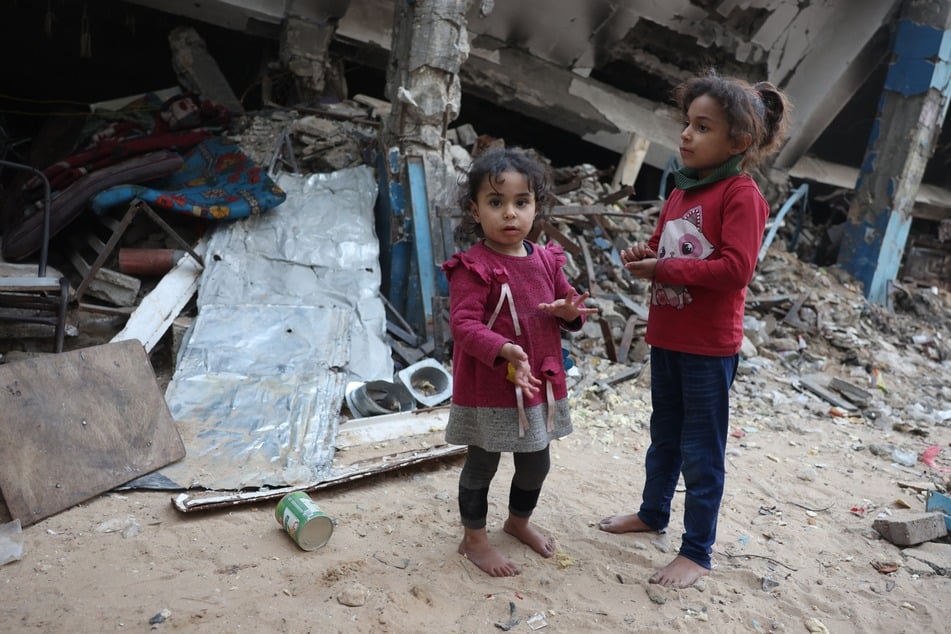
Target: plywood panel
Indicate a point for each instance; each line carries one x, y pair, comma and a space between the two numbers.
77, 424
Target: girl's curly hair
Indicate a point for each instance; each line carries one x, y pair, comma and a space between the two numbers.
490, 165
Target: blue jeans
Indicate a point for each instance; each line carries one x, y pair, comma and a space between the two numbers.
689, 425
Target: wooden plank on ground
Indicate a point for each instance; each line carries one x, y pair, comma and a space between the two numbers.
593, 288
187, 503
159, 308
627, 338
78, 424
819, 385
610, 349
852, 393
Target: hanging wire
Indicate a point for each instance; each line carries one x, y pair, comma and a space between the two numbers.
85, 37
48, 19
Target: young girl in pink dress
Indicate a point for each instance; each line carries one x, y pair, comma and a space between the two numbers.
509, 300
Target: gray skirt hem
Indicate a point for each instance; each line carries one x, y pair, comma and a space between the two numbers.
496, 428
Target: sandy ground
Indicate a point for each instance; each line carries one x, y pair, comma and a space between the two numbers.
795, 550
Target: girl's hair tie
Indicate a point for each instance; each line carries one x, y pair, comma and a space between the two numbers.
758, 104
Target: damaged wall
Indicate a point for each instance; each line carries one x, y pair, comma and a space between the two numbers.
575, 66
820, 52
599, 70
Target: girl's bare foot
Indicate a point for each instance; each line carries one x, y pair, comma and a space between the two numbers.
526, 533
680, 573
624, 524
476, 548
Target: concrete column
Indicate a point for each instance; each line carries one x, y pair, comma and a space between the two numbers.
429, 46
911, 111
305, 39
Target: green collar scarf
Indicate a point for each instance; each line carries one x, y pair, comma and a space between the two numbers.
686, 177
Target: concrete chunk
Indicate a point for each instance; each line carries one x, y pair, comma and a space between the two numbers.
909, 529
936, 556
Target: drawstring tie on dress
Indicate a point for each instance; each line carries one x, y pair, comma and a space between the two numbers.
506, 294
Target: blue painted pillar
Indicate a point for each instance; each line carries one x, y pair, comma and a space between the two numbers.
911, 110
422, 236
406, 248
393, 230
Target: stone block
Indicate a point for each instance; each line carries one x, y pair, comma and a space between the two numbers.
908, 529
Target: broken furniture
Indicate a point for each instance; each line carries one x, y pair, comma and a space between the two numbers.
217, 181
41, 298
91, 273
26, 238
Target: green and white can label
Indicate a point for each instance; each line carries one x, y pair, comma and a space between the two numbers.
302, 519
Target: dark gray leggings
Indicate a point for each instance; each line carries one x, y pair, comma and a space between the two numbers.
531, 469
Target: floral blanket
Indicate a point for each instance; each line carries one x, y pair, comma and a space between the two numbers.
217, 181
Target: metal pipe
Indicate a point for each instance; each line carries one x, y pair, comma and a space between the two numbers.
800, 192
44, 249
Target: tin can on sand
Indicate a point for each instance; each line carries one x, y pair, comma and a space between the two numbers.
302, 519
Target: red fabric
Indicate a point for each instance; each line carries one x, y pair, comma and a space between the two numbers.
110, 151
475, 282
179, 124
697, 303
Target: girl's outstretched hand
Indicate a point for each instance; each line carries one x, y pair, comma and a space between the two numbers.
520, 370
524, 379
569, 308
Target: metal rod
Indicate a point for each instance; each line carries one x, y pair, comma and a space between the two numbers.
44, 248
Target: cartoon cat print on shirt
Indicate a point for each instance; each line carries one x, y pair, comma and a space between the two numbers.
681, 238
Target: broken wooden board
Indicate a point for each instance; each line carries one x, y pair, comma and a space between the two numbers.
162, 305
619, 377
767, 302
610, 349
187, 503
627, 338
78, 424
818, 384
852, 393
918, 487
373, 429
558, 236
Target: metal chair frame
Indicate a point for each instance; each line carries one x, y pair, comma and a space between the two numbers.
26, 298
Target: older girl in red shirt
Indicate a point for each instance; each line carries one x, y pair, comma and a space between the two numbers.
700, 259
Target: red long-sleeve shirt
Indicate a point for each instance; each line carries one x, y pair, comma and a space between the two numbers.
707, 241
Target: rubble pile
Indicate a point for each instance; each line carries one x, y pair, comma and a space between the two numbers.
813, 342
296, 141
806, 326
